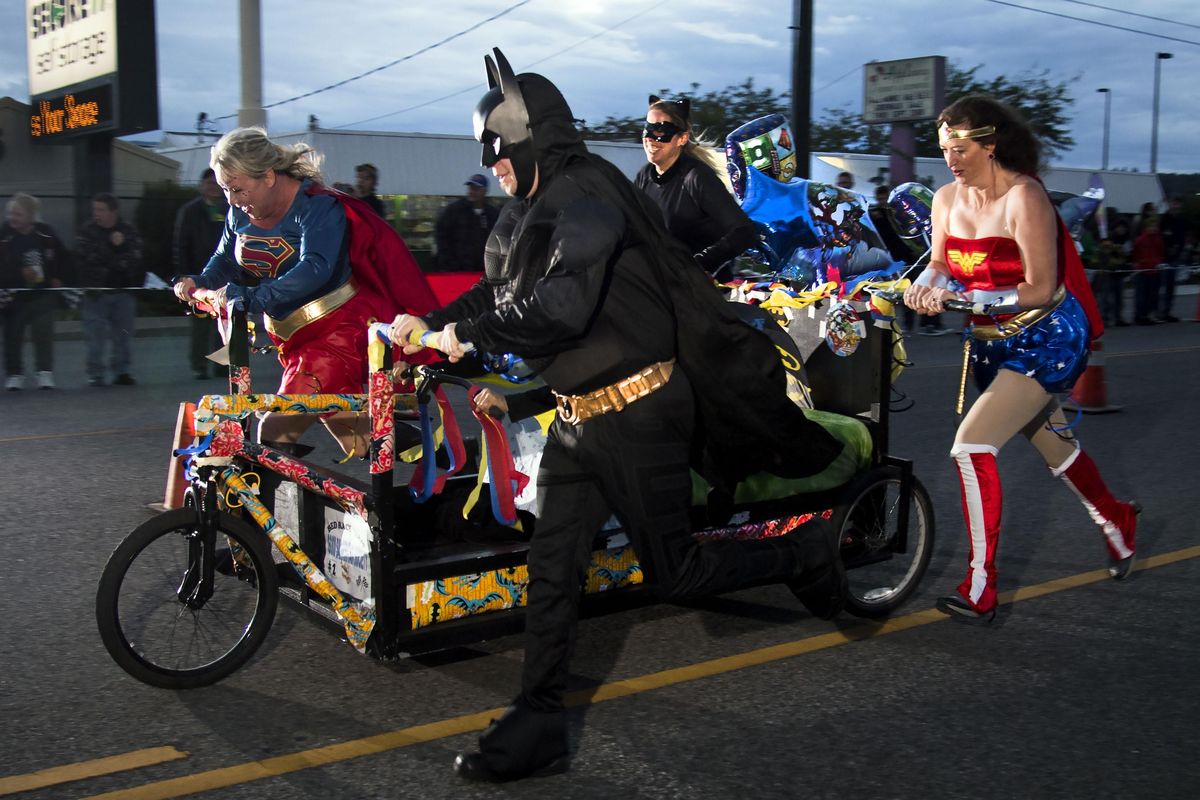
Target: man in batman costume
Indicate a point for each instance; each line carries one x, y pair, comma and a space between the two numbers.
583, 281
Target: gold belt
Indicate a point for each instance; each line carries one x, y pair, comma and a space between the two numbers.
1019, 322
311, 311
576, 408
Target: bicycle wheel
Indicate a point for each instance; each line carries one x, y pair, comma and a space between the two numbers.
152, 612
881, 571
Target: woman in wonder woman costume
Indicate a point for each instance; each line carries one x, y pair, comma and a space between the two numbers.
996, 233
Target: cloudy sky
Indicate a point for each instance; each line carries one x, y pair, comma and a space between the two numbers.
607, 55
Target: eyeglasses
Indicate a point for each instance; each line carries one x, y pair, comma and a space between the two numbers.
661, 131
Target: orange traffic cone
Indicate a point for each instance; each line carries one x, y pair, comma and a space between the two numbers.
185, 432
1090, 394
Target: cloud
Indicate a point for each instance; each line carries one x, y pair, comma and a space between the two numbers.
719, 33
606, 68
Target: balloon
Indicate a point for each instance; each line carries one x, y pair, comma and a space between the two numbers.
801, 266
912, 203
814, 223
765, 144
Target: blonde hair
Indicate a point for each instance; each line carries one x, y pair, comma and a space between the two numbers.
248, 151
31, 204
698, 147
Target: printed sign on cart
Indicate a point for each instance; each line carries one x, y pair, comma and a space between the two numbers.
348, 553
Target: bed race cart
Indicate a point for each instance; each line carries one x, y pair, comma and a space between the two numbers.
190, 595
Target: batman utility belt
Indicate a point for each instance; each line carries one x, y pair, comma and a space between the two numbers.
576, 408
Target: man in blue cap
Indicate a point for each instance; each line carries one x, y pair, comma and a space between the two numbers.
463, 228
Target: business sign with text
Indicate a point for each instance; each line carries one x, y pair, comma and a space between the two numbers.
907, 90
93, 67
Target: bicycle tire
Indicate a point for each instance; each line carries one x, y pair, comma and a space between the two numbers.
879, 578
165, 641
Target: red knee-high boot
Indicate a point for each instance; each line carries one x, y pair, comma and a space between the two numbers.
1117, 520
982, 497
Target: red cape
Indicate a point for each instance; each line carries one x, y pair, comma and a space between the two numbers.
380, 259
1076, 279
383, 266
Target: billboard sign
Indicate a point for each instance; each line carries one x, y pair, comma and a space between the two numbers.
93, 67
907, 90
70, 42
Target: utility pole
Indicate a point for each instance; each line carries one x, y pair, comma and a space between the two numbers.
1158, 59
250, 22
802, 38
1107, 108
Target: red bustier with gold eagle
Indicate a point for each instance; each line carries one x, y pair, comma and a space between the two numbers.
993, 262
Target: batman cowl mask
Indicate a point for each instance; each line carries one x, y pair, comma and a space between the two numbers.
525, 120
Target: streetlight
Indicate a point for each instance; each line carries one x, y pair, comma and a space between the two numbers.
1107, 109
1158, 58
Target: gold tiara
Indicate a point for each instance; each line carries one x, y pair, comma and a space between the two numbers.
946, 132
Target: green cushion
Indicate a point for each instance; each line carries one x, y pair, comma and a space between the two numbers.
854, 458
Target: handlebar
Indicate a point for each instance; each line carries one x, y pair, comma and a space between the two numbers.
426, 378
425, 338
983, 309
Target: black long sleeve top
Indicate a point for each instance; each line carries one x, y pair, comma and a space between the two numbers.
699, 211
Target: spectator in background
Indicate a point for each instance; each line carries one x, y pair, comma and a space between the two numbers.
31, 257
463, 227
1148, 253
1148, 212
686, 178
1174, 231
198, 228
366, 178
845, 180
109, 254
1109, 280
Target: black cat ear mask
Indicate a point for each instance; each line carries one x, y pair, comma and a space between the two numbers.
683, 107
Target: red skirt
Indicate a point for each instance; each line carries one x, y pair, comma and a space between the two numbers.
329, 355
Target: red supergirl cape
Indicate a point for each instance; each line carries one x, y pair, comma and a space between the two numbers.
381, 264
379, 258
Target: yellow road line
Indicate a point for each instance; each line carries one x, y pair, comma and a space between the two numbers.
88, 769
79, 434
419, 734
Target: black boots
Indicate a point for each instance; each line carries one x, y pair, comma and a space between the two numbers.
522, 743
821, 587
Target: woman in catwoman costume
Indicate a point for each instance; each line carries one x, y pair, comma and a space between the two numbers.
685, 180
996, 233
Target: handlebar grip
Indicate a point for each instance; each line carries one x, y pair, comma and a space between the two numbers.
425, 338
429, 339
949, 305
382, 330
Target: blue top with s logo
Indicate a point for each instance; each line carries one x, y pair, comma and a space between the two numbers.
276, 270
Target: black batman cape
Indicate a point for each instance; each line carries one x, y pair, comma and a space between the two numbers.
740, 383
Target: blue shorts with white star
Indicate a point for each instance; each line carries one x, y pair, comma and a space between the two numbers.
1054, 351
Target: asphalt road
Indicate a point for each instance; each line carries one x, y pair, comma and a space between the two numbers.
1084, 688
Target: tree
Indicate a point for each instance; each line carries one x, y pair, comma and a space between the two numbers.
1044, 104
714, 114
843, 131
